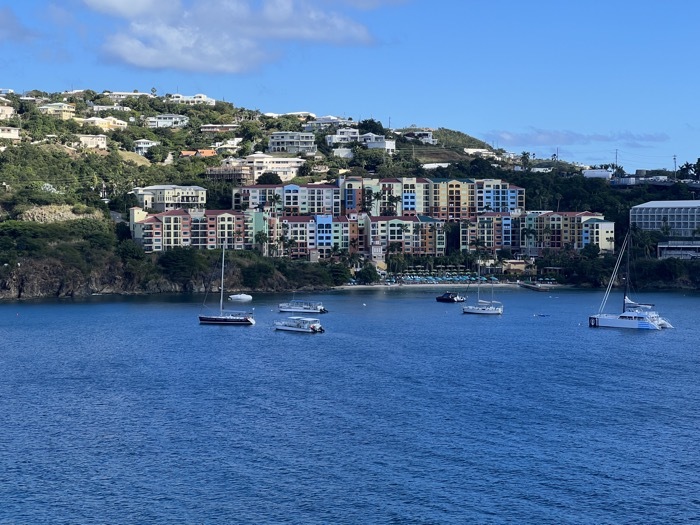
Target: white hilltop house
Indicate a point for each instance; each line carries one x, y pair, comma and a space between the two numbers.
423, 135
191, 100
326, 122
293, 142
373, 141
343, 136
141, 146
119, 96
167, 120
93, 141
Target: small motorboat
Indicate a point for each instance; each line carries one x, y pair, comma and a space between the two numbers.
308, 325
449, 297
297, 306
240, 297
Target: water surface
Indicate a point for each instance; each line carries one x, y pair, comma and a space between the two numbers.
125, 410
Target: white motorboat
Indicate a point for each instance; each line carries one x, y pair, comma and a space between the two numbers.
240, 297
637, 316
298, 306
226, 317
309, 325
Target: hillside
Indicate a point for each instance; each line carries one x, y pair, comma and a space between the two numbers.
56, 238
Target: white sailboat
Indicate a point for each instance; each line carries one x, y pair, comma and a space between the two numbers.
483, 307
226, 317
637, 316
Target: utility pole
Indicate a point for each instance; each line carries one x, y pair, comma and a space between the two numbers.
674, 168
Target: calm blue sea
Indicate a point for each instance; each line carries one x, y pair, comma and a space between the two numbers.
406, 411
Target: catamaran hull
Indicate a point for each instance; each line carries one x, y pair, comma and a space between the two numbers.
630, 322
284, 328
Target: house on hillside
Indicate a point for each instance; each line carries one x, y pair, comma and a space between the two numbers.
6, 112
294, 142
246, 170
198, 153
422, 135
343, 136
58, 109
191, 100
119, 96
105, 124
93, 141
166, 197
141, 146
325, 122
373, 141
9, 133
167, 120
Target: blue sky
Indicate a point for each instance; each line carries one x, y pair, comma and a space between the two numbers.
592, 80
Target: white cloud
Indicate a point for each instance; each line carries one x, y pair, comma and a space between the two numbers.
228, 36
369, 4
540, 137
134, 9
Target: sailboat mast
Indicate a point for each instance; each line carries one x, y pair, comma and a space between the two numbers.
627, 272
221, 288
478, 280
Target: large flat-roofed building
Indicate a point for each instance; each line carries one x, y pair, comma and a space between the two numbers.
168, 197
673, 218
247, 170
293, 142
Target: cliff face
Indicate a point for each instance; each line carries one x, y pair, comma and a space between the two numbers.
33, 279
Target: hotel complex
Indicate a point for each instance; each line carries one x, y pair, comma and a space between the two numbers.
372, 217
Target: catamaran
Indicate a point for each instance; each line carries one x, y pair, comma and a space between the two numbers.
638, 316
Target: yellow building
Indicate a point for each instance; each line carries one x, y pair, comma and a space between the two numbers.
58, 109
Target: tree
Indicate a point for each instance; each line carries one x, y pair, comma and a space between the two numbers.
371, 126
157, 153
275, 201
368, 275
525, 160
530, 233
305, 170
261, 239
590, 251
269, 178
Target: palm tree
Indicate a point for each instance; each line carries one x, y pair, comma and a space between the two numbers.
261, 239
546, 235
275, 201
530, 233
367, 200
237, 236
377, 196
